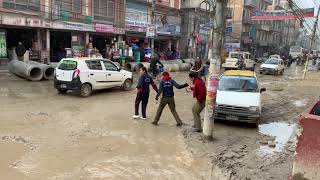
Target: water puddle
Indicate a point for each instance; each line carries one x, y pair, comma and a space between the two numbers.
300, 103
280, 131
10, 153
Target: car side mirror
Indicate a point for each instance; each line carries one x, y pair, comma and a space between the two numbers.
263, 90
119, 68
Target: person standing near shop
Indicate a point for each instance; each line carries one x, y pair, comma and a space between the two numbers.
199, 93
20, 51
166, 89
143, 92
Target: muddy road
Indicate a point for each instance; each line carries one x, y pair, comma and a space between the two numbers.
44, 135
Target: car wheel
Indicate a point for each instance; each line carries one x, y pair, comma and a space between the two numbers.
86, 90
126, 86
62, 91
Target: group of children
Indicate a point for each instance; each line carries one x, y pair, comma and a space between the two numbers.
166, 92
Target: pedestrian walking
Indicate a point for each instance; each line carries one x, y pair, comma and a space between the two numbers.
143, 91
166, 89
155, 61
20, 51
199, 93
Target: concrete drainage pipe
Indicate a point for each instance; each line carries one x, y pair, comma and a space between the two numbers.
28, 71
48, 71
185, 67
132, 66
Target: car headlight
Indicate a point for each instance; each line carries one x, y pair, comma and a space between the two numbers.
253, 108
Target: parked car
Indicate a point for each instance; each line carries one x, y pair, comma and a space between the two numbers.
275, 56
246, 107
233, 58
272, 66
84, 75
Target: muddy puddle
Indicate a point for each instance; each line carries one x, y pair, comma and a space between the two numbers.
11, 153
279, 133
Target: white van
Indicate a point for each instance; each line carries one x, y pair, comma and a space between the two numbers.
238, 97
234, 56
84, 75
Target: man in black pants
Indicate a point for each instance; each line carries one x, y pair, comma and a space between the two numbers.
143, 92
153, 65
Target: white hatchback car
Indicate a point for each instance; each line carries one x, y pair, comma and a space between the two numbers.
84, 75
272, 66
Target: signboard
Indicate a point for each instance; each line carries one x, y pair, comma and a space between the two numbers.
34, 22
168, 24
151, 31
136, 16
281, 15
118, 30
14, 20
73, 26
3, 44
231, 46
25, 21
229, 26
104, 28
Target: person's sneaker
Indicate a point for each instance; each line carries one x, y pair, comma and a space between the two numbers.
143, 118
135, 116
180, 124
154, 123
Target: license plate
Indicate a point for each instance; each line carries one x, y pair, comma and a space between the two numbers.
63, 86
232, 117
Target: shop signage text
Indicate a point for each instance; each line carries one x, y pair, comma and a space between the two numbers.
24, 21
151, 31
136, 17
118, 30
73, 26
104, 28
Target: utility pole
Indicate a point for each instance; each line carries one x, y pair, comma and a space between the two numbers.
218, 20
153, 17
313, 38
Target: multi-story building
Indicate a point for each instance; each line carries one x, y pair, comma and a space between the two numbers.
196, 26
52, 29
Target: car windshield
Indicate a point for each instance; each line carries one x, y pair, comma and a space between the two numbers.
238, 83
234, 55
272, 61
68, 65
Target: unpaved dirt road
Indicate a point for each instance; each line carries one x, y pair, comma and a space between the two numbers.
44, 135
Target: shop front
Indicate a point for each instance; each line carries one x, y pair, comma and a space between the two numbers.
68, 39
137, 46
26, 32
103, 42
168, 35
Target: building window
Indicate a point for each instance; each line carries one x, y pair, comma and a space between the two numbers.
103, 10
22, 5
68, 6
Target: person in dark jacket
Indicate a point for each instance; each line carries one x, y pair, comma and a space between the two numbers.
153, 65
20, 50
199, 93
166, 89
143, 92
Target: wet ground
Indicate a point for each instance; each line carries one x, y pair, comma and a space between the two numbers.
44, 135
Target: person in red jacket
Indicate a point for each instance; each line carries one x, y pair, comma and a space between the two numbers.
199, 93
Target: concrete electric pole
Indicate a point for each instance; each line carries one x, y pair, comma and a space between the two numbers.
153, 23
218, 20
312, 42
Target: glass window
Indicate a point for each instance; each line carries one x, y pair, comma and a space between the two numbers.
68, 65
103, 10
110, 66
94, 64
24, 5
238, 83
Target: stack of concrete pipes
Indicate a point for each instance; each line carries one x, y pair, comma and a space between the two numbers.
169, 66
31, 70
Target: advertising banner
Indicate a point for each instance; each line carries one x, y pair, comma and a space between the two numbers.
136, 16
73, 26
281, 15
3, 44
169, 25
103, 28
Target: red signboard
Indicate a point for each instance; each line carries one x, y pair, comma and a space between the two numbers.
282, 15
104, 28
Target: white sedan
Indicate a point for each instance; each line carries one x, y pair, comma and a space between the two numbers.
272, 66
